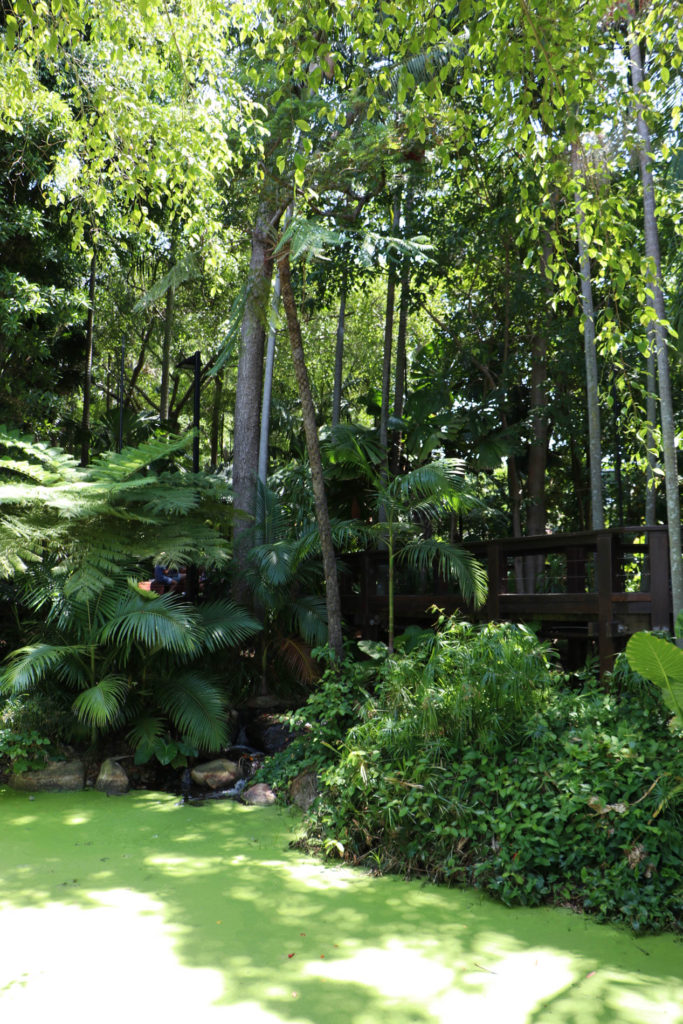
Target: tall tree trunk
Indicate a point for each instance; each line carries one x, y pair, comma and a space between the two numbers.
389, 334
591, 361
264, 435
538, 455
673, 504
339, 353
515, 496
249, 385
332, 598
166, 354
216, 418
87, 376
651, 416
401, 360
618, 478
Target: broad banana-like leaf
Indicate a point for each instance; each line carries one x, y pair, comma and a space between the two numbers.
662, 663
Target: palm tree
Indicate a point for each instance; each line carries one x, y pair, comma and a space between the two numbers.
134, 660
404, 505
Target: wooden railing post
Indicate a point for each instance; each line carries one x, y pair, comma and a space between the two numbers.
495, 571
660, 580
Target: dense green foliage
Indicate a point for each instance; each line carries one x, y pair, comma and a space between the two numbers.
468, 761
72, 541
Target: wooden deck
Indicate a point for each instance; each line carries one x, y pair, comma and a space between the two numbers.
592, 589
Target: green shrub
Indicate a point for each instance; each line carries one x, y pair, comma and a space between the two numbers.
534, 794
22, 747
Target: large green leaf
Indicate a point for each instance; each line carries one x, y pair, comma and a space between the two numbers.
662, 663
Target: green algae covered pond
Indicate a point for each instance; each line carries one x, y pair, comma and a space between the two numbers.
136, 909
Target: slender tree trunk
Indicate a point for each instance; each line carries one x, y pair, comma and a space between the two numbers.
389, 335
166, 354
591, 360
249, 385
515, 494
268, 383
618, 479
107, 403
673, 504
401, 360
87, 376
332, 598
216, 418
339, 353
651, 415
264, 436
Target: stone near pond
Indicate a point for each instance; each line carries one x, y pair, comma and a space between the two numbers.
112, 778
218, 774
268, 734
259, 795
55, 777
304, 789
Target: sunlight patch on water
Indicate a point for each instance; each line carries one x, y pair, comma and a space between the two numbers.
117, 958
507, 990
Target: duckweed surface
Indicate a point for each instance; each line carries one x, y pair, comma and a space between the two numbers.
137, 908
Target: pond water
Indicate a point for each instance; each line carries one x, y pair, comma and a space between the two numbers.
140, 908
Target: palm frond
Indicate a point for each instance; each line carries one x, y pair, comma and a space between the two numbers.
297, 657
452, 562
196, 708
309, 612
145, 730
100, 705
186, 269
28, 665
351, 450
165, 624
273, 562
225, 624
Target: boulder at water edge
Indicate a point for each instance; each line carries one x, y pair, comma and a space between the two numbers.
112, 779
218, 774
259, 795
304, 789
55, 777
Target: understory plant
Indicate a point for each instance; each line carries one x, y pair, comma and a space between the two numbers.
133, 660
455, 771
73, 544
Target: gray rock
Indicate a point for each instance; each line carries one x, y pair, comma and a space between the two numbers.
259, 795
55, 777
304, 789
112, 779
267, 733
218, 774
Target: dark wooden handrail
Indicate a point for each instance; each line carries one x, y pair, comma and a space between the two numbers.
606, 585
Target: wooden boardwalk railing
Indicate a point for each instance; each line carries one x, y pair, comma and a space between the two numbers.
595, 587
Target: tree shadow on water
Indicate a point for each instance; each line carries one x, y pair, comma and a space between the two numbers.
210, 909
